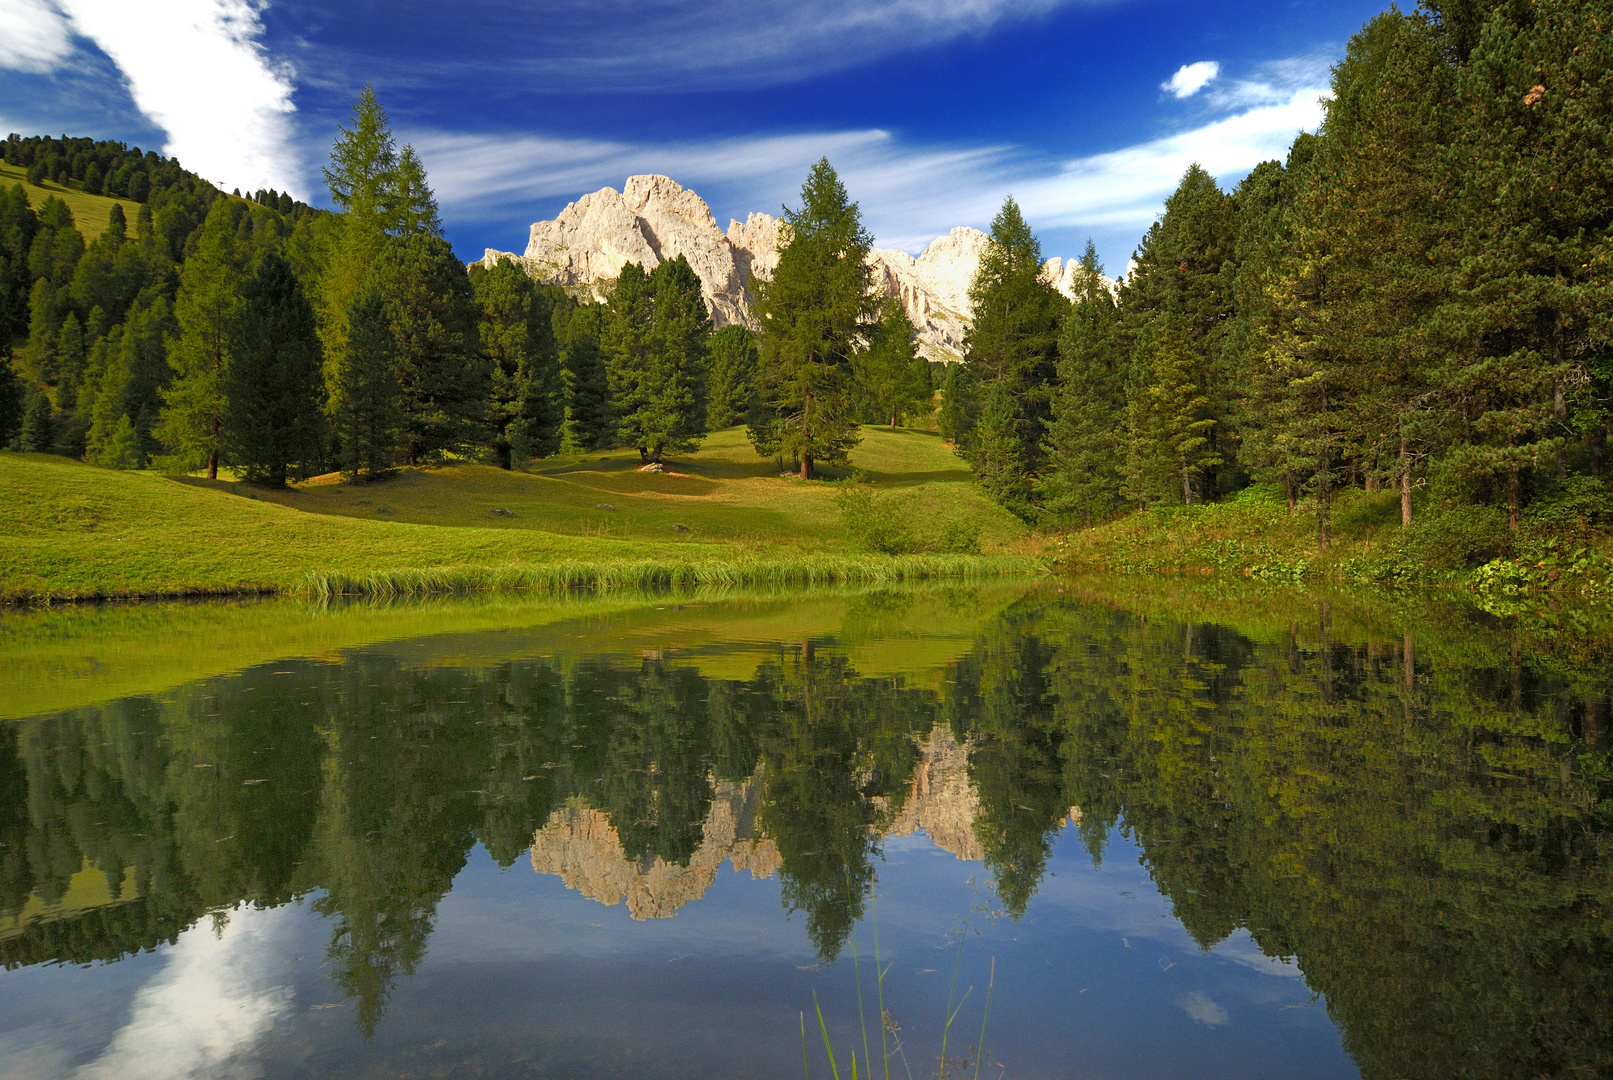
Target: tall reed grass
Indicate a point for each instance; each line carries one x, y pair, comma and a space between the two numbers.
648, 574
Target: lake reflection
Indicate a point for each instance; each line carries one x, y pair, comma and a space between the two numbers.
1279, 838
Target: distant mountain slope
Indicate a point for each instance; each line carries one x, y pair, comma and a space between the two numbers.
655, 218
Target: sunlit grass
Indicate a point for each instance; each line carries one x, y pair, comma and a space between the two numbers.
91, 213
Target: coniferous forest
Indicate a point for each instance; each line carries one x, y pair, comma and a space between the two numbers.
1416, 300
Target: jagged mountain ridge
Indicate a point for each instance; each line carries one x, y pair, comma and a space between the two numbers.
654, 218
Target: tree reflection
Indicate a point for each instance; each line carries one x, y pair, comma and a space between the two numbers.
1421, 816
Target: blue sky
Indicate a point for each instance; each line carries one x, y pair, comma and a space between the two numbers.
1086, 110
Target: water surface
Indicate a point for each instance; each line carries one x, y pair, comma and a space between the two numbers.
1247, 836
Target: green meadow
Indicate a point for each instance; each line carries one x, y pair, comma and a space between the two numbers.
721, 517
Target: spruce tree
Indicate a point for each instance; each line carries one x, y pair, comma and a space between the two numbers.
207, 311
1527, 316
517, 335
274, 384
444, 375
731, 376
1011, 362
38, 425
893, 381
813, 314
11, 402
369, 417
655, 352
590, 420
1181, 275
1084, 447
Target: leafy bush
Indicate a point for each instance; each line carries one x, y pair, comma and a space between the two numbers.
1572, 507
875, 523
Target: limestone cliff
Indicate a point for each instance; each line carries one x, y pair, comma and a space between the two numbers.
655, 218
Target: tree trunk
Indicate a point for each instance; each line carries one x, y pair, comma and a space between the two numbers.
893, 418
1288, 482
1405, 483
1598, 441
1514, 497
1324, 487
212, 465
1187, 486
806, 438
1559, 412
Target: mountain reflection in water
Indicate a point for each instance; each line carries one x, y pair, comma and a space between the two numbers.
1416, 807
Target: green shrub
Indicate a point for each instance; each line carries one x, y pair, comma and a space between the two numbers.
875, 523
1573, 507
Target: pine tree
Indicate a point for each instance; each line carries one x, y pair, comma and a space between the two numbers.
1084, 447
893, 381
813, 314
517, 334
1011, 361
369, 418
731, 378
207, 310
274, 384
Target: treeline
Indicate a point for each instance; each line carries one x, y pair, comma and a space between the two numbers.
258, 334
1418, 298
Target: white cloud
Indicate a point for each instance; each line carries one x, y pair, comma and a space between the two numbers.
909, 194
196, 68
206, 1008
1191, 78
1198, 1006
33, 36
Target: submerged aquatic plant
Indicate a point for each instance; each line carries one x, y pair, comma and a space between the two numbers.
890, 1041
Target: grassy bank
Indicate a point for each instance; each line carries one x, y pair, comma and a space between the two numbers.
1563, 546
73, 531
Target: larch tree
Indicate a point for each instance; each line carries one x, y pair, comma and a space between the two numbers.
814, 315
206, 312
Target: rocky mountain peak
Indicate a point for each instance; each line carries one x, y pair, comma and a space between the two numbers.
655, 218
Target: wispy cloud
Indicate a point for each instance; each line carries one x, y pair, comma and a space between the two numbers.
909, 193
1191, 78
197, 69
33, 36
618, 45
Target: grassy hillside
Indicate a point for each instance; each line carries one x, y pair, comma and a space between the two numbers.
69, 530
723, 493
90, 212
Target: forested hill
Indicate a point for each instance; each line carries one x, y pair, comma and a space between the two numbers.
90, 312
